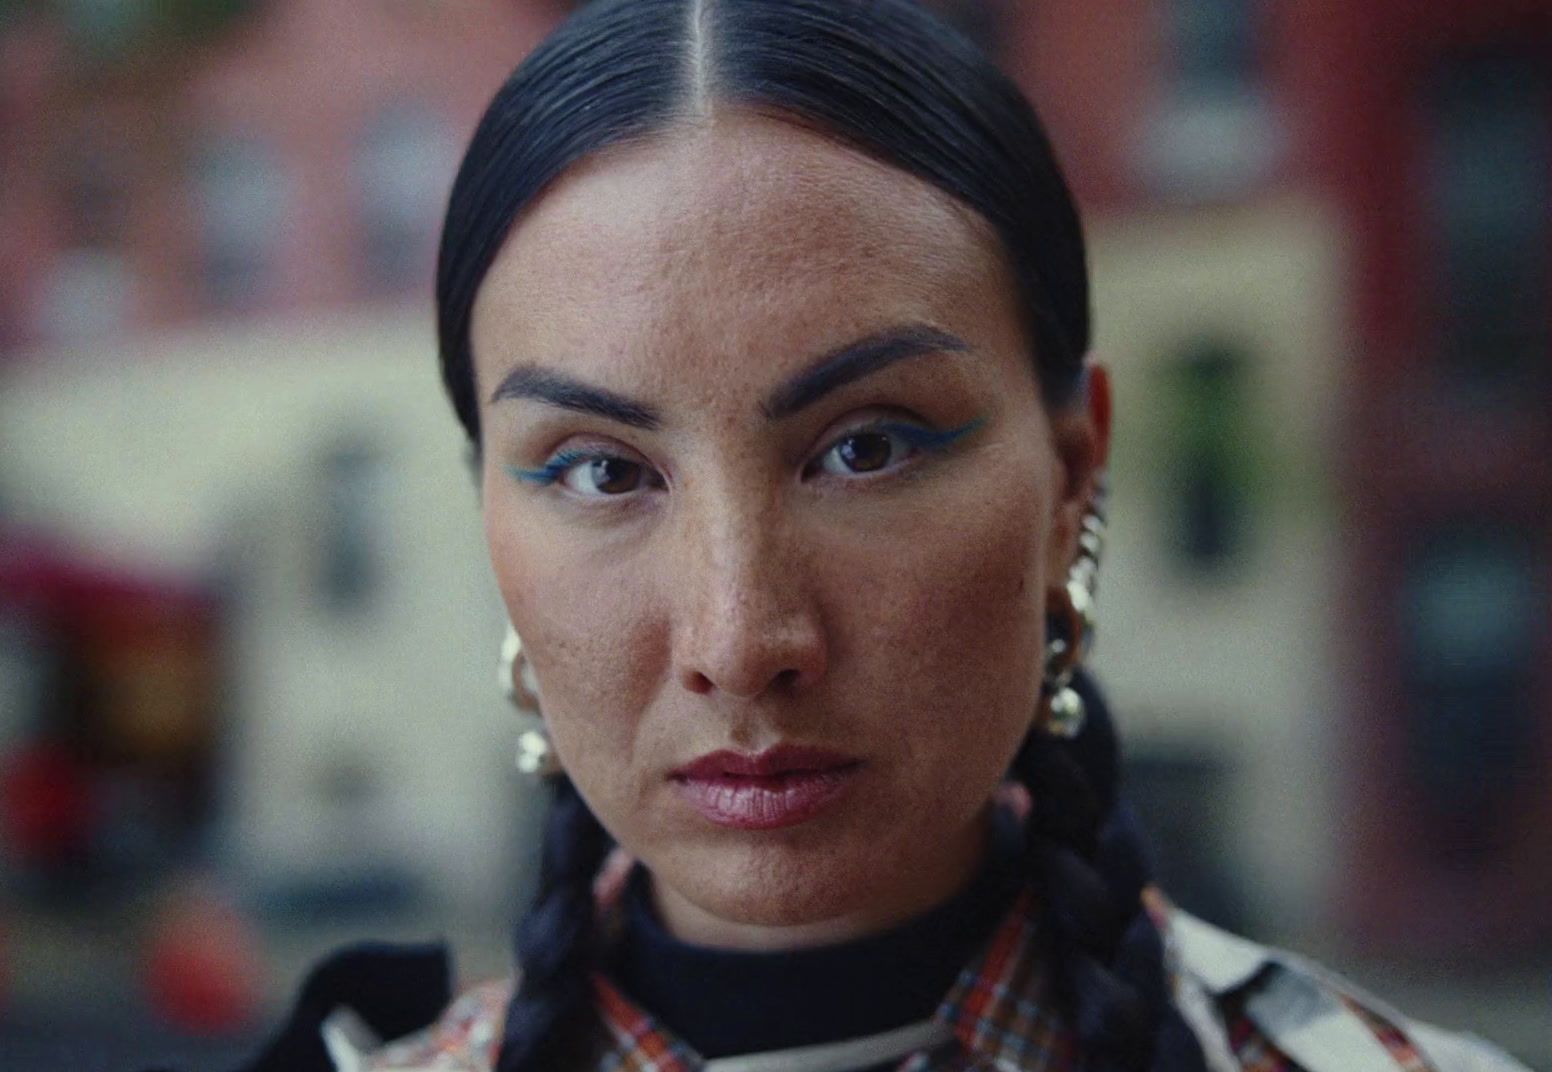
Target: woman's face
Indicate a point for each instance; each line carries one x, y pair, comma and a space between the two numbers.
765, 467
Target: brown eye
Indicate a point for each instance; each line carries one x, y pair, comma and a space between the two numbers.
865, 452
870, 450
606, 476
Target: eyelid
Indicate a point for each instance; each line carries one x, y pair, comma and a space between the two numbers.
919, 435
564, 459
923, 437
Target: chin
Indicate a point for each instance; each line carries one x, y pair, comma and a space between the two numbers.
796, 902
780, 884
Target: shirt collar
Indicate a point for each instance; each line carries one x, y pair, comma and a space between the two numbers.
999, 1010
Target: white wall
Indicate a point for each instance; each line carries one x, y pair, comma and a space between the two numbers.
1246, 662
184, 453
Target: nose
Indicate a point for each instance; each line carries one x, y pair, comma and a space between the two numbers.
749, 624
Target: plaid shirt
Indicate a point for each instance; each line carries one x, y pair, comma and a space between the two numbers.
1000, 1012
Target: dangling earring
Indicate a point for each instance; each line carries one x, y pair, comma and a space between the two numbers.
536, 755
1070, 626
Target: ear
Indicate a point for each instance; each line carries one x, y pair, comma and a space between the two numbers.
1081, 437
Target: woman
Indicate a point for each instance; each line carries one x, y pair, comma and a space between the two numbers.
766, 320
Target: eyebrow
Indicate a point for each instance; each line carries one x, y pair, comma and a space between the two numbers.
830, 372
857, 360
542, 385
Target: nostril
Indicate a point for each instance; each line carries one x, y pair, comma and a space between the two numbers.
698, 683
786, 680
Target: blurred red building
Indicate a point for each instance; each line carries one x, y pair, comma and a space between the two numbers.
173, 163
1428, 129
1438, 144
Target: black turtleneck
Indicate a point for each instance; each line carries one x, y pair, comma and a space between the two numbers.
723, 1002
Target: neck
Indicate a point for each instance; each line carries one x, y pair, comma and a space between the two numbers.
927, 889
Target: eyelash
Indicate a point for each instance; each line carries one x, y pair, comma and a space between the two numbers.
919, 438
557, 467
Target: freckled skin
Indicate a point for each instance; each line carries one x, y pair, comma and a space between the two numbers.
749, 602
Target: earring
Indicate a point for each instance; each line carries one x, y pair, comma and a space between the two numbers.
1070, 626
536, 754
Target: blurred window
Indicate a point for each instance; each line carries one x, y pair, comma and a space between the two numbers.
1211, 133
1207, 448
85, 296
1214, 44
242, 200
353, 483
86, 290
1176, 792
22, 674
1473, 619
404, 167
104, 26
1489, 159
114, 31
94, 176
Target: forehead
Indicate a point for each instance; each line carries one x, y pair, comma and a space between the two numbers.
738, 241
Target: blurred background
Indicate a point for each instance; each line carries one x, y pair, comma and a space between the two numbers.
247, 629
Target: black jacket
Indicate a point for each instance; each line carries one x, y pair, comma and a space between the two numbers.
396, 989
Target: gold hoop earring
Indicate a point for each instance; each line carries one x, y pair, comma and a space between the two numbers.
1070, 626
536, 756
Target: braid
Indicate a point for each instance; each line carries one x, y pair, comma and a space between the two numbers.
548, 1018
1088, 855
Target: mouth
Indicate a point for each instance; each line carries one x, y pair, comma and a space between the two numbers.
780, 787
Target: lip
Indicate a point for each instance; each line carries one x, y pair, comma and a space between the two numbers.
780, 787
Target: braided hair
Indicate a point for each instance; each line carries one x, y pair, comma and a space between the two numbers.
1087, 856
890, 79
549, 1016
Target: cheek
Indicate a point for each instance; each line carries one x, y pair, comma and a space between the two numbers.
948, 626
987, 595
587, 632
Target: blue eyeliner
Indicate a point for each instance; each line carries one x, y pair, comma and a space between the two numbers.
927, 438
552, 470
542, 477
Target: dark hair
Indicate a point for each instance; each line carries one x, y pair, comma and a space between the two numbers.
890, 79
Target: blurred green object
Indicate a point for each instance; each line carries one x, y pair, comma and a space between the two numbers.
1210, 445
196, 19
116, 30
